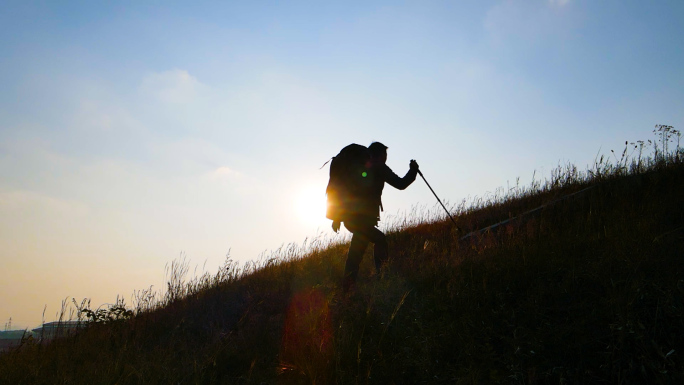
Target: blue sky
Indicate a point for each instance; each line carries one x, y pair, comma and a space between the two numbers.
131, 132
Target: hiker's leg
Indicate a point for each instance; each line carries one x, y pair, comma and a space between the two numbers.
358, 246
377, 237
380, 247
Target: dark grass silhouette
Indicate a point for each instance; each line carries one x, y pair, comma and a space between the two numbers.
587, 289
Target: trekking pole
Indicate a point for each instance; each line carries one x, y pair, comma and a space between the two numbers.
438, 200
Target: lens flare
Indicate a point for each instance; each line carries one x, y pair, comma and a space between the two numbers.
307, 335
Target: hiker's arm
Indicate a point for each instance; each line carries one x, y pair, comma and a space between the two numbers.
401, 183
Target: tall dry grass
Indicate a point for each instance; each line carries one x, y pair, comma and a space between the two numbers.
581, 282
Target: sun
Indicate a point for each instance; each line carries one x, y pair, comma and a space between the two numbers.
310, 205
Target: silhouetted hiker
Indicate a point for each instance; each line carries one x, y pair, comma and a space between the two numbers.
357, 178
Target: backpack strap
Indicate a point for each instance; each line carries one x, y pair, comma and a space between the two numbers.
326, 163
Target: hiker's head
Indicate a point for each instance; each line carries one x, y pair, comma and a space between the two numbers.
378, 152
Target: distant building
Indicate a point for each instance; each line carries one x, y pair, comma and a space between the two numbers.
47, 331
9, 338
52, 330
12, 334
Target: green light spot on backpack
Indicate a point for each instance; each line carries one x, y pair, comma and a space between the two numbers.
364, 174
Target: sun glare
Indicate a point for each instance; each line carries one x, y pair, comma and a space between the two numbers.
310, 205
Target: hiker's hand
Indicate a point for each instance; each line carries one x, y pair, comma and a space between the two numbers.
336, 226
413, 165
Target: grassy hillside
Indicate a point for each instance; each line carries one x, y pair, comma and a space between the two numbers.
587, 288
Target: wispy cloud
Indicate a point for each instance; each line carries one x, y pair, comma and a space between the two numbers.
559, 3
173, 86
26, 202
526, 23
225, 172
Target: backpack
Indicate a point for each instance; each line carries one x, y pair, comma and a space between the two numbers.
348, 181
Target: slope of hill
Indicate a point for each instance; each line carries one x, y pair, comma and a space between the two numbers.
584, 289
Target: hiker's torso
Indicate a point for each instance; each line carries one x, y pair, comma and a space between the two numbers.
368, 203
